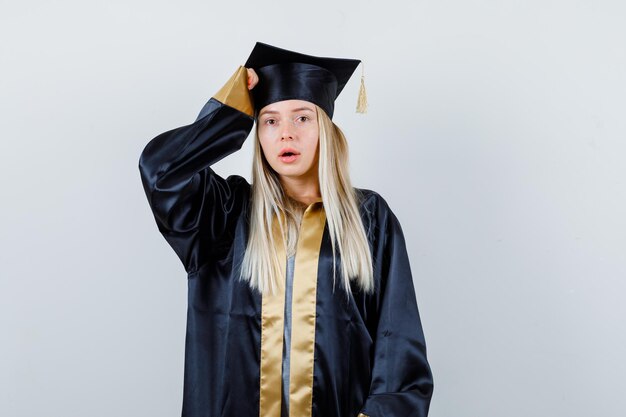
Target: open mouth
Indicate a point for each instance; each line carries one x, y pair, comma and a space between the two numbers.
288, 152
288, 155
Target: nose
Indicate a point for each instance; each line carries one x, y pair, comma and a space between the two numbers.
287, 132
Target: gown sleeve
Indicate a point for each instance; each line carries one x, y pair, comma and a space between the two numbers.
402, 382
194, 207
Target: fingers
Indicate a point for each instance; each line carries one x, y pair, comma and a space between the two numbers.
253, 78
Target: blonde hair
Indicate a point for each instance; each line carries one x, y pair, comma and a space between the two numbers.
260, 265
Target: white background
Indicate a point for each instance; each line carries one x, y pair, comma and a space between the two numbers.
496, 132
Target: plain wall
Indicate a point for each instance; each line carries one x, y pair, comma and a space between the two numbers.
495, 130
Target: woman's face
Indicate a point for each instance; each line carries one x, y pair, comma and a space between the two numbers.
290, 126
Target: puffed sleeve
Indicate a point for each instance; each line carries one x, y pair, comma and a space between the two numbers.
402, 383
195, 209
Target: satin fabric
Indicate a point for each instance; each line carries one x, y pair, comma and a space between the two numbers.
285, 75
296, 81
370, 352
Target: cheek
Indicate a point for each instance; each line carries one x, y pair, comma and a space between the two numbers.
314, 143
265, 148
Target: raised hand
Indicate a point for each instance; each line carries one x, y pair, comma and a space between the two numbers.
253, 79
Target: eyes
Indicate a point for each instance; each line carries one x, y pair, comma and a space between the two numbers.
272, 122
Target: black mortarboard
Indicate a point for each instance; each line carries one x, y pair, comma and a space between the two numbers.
288, 75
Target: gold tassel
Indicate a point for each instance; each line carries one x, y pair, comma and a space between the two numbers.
361, 106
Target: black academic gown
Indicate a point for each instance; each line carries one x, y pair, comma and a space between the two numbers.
356, 355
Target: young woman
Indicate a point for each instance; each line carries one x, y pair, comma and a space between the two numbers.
301, 299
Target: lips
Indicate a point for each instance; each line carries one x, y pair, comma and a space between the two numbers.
288, 152
288, 155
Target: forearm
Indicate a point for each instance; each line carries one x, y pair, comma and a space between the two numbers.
174, 157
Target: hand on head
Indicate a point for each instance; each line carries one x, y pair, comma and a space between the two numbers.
253, 79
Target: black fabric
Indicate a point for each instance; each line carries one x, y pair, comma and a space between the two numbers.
286, 75
370, 352
295, 81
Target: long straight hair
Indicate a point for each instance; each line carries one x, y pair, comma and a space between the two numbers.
261, 266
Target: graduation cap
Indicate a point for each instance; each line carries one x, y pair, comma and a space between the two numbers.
288, 75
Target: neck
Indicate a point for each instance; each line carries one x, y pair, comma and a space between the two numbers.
303, 189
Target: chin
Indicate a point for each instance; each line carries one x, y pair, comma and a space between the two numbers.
290, 173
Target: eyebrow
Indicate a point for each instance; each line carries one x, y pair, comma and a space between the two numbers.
293, 111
